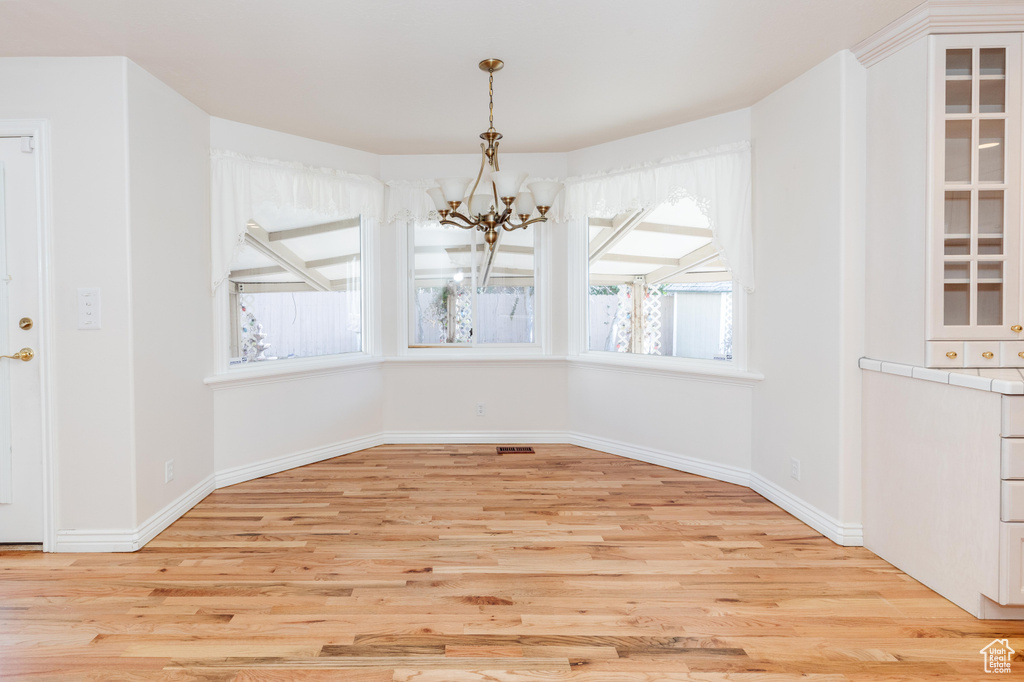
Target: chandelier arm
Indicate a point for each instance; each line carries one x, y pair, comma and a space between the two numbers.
483, 160
541, 219
469, 221
464, 227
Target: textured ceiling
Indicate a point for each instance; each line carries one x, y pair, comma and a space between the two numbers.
401, 77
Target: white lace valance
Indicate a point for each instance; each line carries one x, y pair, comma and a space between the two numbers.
246, 188
407, 200
718, 180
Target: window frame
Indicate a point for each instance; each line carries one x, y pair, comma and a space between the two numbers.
369, 283
579, 320
407, 284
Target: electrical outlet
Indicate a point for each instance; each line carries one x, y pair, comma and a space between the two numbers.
480, 411
794, 468
168, 471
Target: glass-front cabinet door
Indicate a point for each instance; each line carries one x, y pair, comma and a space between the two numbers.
975, 252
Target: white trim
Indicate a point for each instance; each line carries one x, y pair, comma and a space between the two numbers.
248, 472
39, 129
476, 359
941, 16
657, 365
133, 452
130, 540
846, 534
463, 437
671, 460
292, 370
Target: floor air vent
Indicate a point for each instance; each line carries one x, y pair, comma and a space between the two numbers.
514, 450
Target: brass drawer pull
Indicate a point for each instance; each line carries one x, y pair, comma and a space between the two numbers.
988, 355
1017, 328
952, 354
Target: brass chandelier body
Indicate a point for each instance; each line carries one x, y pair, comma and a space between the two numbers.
498, 208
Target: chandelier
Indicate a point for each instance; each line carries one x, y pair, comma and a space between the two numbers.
498, 206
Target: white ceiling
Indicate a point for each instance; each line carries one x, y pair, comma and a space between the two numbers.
401, 77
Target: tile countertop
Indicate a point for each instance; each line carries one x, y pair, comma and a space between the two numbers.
1005, 380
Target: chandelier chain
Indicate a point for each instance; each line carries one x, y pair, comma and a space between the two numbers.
490, 92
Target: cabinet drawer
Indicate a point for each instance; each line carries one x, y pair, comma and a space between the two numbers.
1012, 460
1012, 353
939, 353
1012, 501
1011, 555
981, 354
1013, 417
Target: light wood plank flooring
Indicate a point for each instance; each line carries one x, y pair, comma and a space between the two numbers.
450, 563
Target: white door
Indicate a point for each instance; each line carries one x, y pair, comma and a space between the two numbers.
21, 462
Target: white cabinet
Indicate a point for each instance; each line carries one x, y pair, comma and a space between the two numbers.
974, 263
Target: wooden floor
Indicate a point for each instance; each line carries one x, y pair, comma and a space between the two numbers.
447, 563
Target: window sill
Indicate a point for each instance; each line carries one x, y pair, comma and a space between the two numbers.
657, 365
285, 370
464, 357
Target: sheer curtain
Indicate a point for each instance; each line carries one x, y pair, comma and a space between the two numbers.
717, 179
248, 188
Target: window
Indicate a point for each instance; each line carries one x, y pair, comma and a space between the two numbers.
295, 290
464, 294
658, 286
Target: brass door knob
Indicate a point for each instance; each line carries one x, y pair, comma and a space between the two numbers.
1016, 328
1020, 354
951, 354
25, 354
988, 355
25, 323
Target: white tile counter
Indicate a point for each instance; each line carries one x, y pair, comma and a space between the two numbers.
1005, 380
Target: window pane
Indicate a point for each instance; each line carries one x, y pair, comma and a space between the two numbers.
610, 312
464, 293
505, 293
958, 63
990, 150
443, 260
282, 310
298, 324
697, 319
958, 213
958, 151
505, 314
657, 285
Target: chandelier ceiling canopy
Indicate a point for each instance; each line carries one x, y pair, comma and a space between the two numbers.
501, 199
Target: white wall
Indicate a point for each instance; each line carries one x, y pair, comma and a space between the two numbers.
271, 144
278, 417
84, 101
896, 205
171, 306
661, 144
806, 314
665, 414
256, 422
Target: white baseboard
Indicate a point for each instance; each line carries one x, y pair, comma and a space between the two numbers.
131, 539
672, 460
248, 472
846, 534
434, 437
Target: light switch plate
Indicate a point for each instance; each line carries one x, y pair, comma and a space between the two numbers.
89, 308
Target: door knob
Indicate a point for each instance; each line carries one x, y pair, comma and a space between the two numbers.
25, 354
